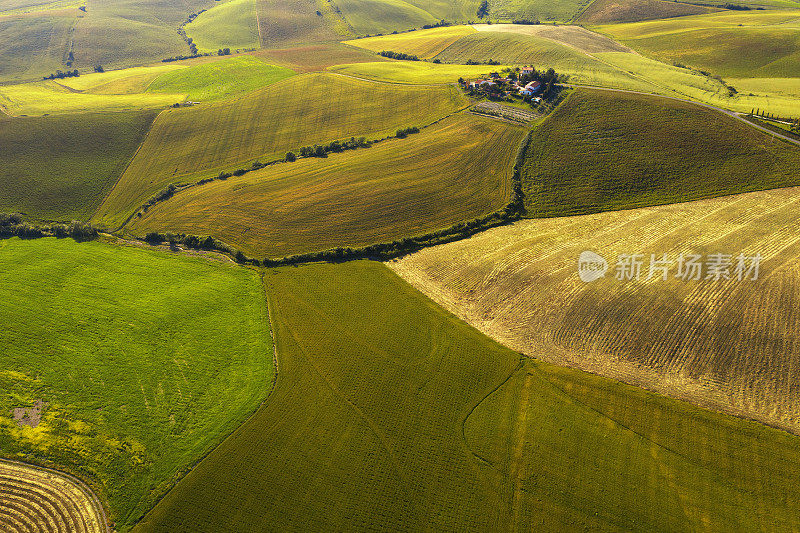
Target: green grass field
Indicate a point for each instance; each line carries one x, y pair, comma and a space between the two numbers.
450, 172
616, 11
219, 79
122, 81
145, 361
604, 151
12, 7
52, 98
299, 111
230, 24
754, 44
389, 413
61, 168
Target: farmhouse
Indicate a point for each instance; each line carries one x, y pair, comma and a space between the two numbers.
531, 89
482, 84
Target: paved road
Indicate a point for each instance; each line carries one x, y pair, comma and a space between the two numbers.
733, 114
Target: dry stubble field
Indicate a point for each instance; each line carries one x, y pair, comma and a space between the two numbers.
728, 345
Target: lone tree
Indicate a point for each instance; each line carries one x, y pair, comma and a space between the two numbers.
483, 9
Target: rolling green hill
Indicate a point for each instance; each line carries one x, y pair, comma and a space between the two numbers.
389, 413
33, 46
144, 361
750, 44
602, 151
230, 24
454, 171
60, 168
118, 33
298, 111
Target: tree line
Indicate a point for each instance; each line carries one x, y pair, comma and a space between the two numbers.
12, 225
398, 55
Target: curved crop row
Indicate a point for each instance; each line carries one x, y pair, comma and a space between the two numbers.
37, 499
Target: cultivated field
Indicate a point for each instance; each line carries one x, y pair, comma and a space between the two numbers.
729, 345
299, 111
219, 79
285, 22
605, 150
128, 364
52, 98
735, 44
395, 415
37, 499
383, 16
586, 57
425, 44
231, 24
413, 72
616, 11
33, 46
120, 33
453, 171
61, 168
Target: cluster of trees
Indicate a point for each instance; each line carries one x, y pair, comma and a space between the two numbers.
182, 32
487, 62
12, 225
224, 52
405, 132
398, 55
441, 24
483, 9
527, 22
332, 147
164, 194
60, 75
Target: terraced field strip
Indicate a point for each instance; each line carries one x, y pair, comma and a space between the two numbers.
450, 172
729, 345
298, 111
35, 499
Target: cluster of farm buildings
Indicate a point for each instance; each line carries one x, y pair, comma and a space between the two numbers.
506, 86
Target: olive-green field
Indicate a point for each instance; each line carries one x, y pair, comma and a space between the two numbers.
389, 407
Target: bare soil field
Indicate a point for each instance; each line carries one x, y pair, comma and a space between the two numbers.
724, 344
42, 500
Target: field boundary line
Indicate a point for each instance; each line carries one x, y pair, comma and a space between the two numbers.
256, 4
127, 165
82, 485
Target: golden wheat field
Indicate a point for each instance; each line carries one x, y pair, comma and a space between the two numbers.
732, 345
